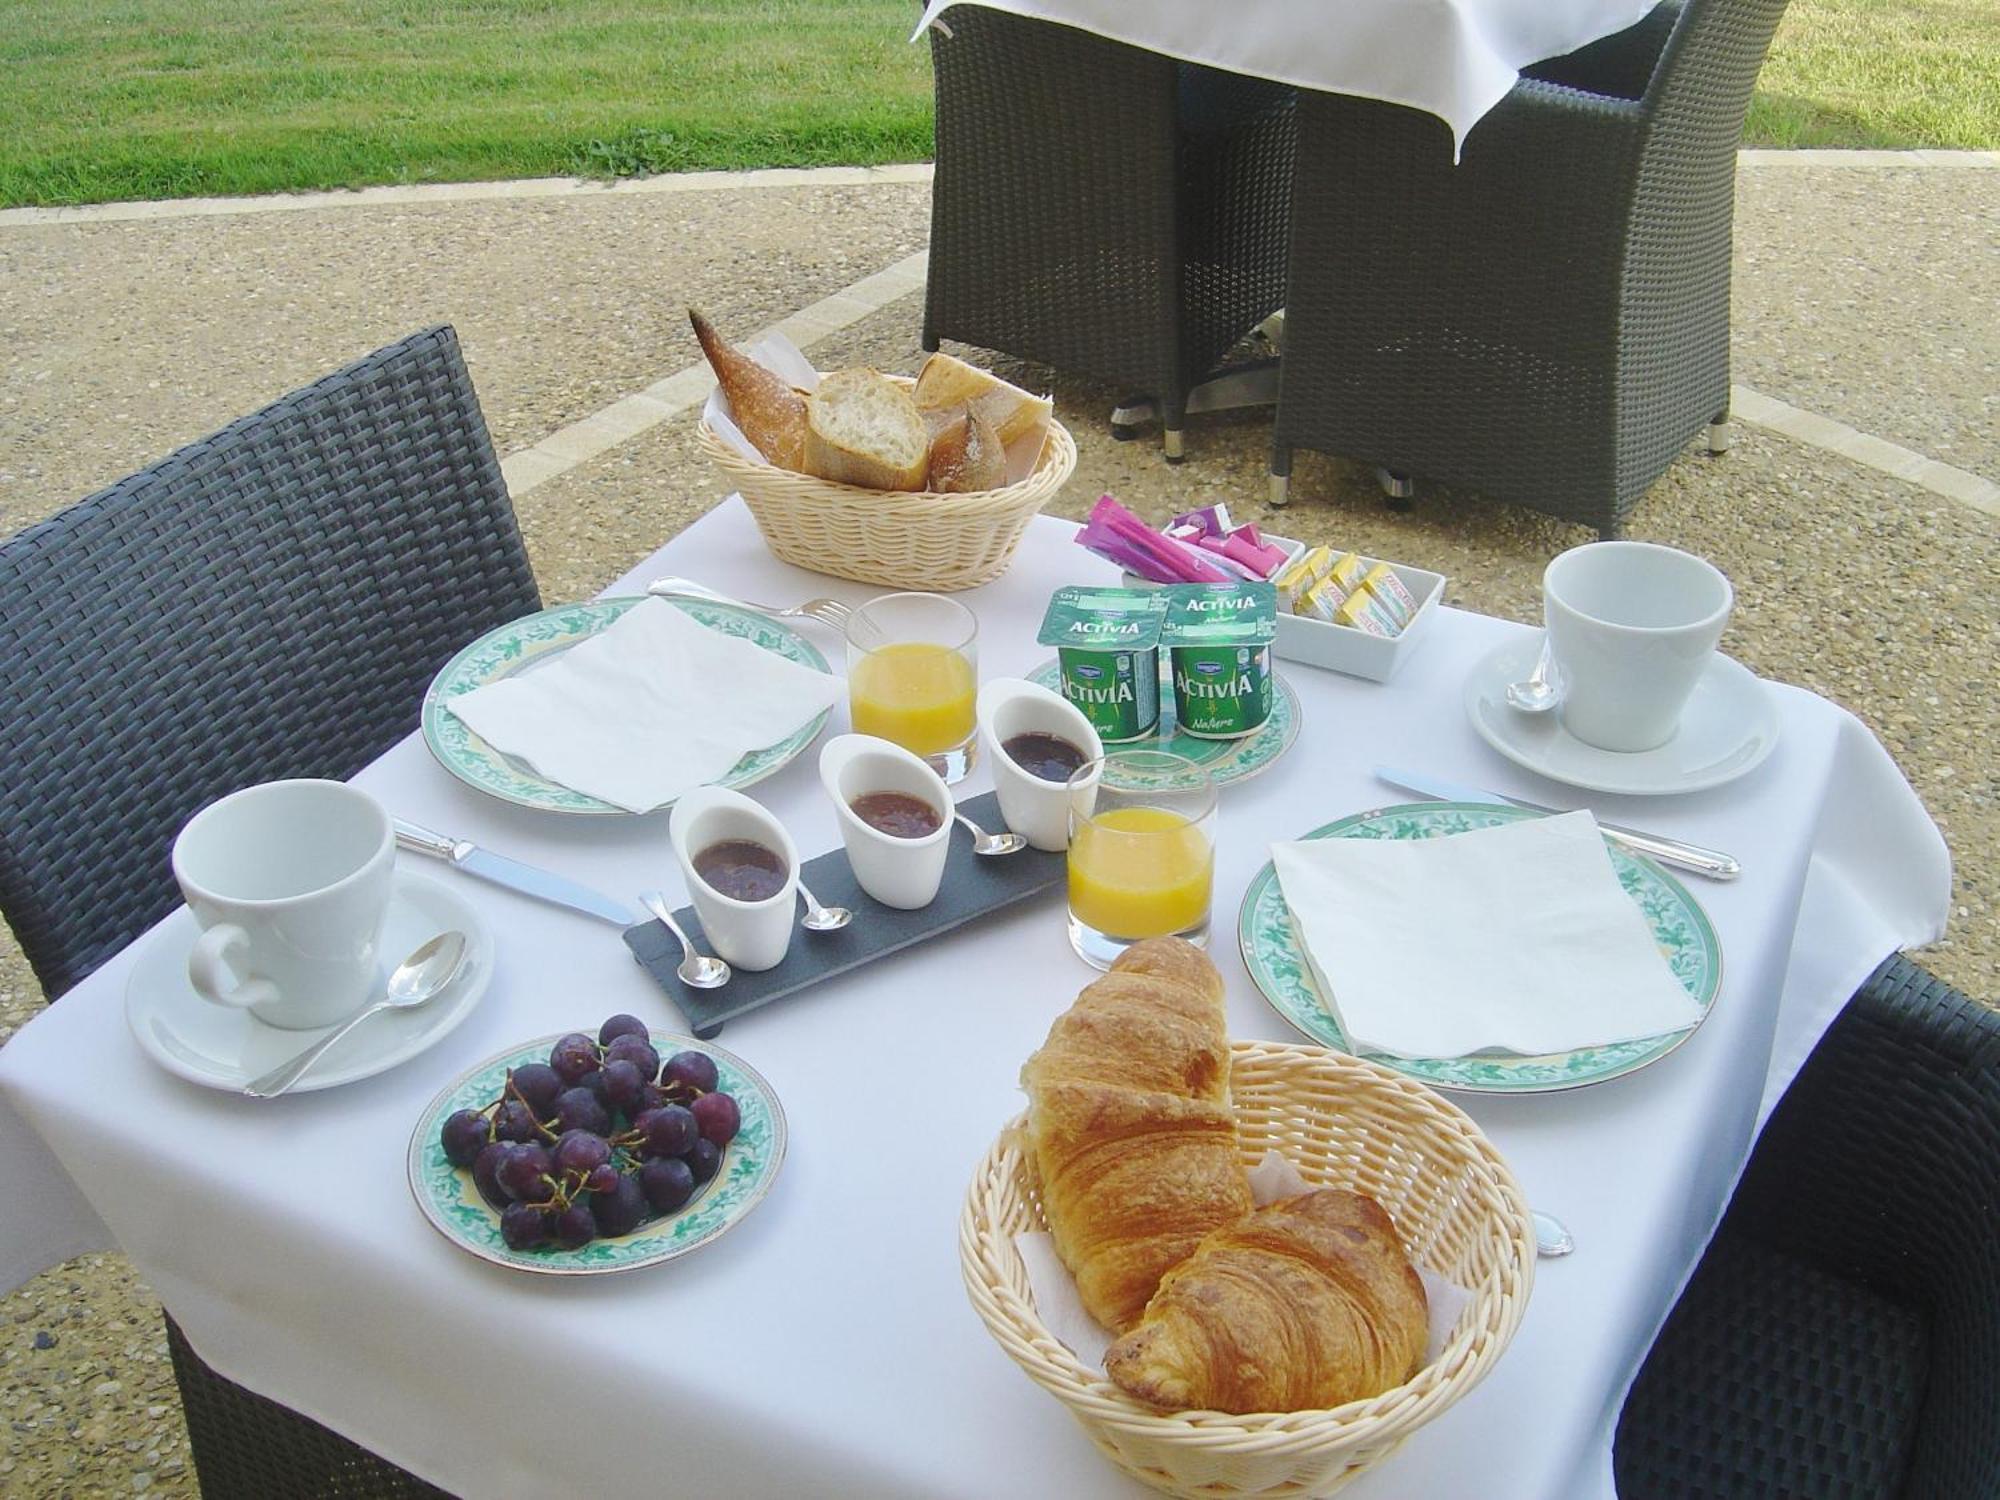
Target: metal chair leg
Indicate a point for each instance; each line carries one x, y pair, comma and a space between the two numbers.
1721, 434
1398, 489
1281, 474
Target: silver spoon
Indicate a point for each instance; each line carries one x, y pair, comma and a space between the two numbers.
1539, 693
1552, 1236
697, 970
823, 918
416, 979
991, 843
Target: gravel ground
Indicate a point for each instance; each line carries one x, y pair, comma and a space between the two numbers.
1857, 294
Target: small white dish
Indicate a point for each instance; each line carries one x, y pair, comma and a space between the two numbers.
224, 1049
1038, 810
1730, 724
750, 935
898, 872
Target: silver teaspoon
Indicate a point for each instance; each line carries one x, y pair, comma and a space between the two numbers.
1539, 693
416, 979
823, 918
1552, 1236
697, 970
991, 843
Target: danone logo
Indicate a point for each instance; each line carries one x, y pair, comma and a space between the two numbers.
1084, 669
1208, 668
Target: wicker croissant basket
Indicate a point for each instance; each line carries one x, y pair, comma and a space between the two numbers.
939, 543
1343, 1123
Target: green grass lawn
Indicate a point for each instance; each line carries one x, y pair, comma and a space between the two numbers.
110, 99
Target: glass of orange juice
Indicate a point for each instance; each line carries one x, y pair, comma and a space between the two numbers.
1141, 852
912, 677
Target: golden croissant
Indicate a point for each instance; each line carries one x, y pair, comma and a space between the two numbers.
1304, 1304
1130, 1127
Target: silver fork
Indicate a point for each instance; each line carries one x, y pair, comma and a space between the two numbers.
827, 611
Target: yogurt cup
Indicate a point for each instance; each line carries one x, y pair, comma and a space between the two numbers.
1108, 654
1218, 639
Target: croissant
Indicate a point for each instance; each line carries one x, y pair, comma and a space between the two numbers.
1130, 1126
1304, 1304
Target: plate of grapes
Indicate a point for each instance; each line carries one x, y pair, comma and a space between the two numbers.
579, 1155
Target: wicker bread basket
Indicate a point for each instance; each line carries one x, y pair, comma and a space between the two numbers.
1343, 1123
939, 543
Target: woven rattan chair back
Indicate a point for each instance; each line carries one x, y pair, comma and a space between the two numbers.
1547, 320
267, 602
1100, 208
1841, 1336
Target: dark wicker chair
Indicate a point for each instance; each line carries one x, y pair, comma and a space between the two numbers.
268, 602
1546, 322
1100, 208
1841, 1337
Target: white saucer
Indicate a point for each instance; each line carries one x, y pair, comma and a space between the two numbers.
223, 1048
1729, 725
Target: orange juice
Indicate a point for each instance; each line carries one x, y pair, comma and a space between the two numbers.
1139, 872
915, 695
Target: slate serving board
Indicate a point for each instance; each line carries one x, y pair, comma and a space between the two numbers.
972, 888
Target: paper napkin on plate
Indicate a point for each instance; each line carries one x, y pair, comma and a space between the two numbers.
1515, 939
651, 707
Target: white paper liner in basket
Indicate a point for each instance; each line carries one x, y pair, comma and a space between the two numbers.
1347, 1123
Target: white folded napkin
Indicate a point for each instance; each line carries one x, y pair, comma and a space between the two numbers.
651, 707
1513, 939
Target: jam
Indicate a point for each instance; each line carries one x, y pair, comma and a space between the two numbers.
742, 869
1047, 757
897, 814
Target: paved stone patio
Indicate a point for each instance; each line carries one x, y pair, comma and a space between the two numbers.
1865, 294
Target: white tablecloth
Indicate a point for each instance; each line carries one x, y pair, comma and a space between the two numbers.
1454, 58
825, 1346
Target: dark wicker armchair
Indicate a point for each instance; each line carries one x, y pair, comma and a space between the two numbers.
1101, 208
268, 602
1547, 322
1841, 1337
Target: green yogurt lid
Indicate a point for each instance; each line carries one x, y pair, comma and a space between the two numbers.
1222, 614
1104, 619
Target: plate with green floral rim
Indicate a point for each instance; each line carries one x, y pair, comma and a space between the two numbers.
1226, 761
1278, 966
523, 644
750, 1162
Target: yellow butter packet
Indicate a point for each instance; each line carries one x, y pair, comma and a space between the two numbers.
1397, 601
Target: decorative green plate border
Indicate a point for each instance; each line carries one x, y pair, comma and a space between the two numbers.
1227, 761
749, 1164
518, 644
1278, 966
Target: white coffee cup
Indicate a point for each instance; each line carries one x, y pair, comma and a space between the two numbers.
898, 872
1632, 626
1038, 810
752, 935
289, 882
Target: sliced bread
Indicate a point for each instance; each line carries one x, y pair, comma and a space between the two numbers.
945, 382
966, 455
862, 428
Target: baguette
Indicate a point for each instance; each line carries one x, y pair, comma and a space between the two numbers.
966, 455
769, 412
945, 382
863, 429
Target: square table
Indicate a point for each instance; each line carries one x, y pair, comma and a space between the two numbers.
826, 1346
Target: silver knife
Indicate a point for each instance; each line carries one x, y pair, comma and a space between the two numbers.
511, 873
1682, 856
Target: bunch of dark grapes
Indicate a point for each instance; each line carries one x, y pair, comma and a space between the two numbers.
600, 1138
